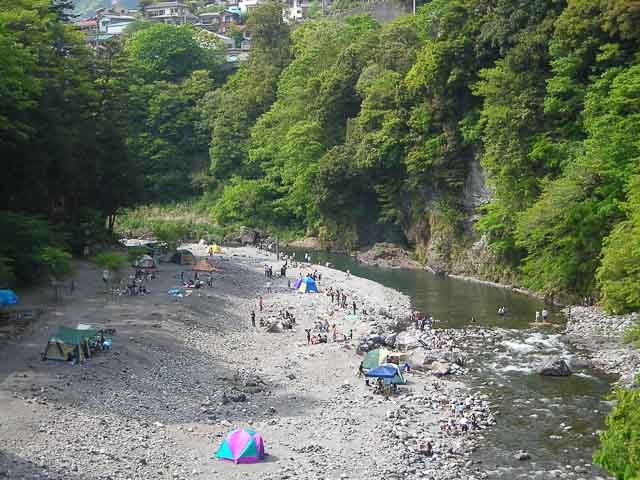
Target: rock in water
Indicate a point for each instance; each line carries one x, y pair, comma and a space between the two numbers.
555, 368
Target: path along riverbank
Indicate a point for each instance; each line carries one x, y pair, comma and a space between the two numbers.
184, 371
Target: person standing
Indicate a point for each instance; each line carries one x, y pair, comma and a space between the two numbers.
545, 314
253, 318
308, 330
537, 316
354, 307
260, 302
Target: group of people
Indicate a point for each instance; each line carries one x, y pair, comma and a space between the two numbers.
341, 299
137, 283
324, 327
542, 316
462, 418
268, 271
196, 281
421, 321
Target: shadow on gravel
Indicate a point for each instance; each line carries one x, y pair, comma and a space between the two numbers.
17, 468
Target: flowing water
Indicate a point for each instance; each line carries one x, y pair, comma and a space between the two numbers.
554, 419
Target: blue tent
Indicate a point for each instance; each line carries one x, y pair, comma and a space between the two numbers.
389, 372
8, 297
308, 285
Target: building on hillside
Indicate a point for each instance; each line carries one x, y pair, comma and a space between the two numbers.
175, 13
113, 23
297, 10
89, 27
228, 41
247, 5
218, 22
106, 24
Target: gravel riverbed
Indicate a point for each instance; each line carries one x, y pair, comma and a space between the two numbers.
184, 371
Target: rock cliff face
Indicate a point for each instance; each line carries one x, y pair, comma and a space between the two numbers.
445, 239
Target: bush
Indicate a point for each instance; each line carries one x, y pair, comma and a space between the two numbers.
57, 262
171, 233
619, 452
632, 335
22, 240
7, 278
134, 253
112, 261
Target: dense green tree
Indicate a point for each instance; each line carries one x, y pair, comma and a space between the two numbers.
620, 443
166, 52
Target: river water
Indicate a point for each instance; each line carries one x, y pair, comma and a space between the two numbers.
554, 419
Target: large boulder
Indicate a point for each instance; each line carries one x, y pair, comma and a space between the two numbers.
243, 236
456, 357
557, 367
390, 340
440, 369
577, 363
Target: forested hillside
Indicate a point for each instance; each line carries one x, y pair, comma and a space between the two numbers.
374, 132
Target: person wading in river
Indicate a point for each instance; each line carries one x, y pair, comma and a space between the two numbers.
253, 318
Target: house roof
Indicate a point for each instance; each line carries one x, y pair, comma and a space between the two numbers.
165, 5
215, 14
87, 23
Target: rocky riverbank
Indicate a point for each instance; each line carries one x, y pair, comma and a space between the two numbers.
184, 371
600, 337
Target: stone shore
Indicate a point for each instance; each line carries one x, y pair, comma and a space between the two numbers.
600, 336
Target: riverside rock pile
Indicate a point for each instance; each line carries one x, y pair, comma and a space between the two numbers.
601, 335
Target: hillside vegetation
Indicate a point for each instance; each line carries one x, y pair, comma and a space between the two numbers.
374, 128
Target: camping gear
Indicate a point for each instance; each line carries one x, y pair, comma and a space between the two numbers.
398, 358
145, 263
204, 266
308, 285
69, 343
374, 358
297, 284
183, 257
241, 446
213, 248
8, 297
176, 292
389, 372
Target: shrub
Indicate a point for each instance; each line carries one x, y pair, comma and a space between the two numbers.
22, 240
57, 262
112, 261
632, 335
619, 451
7, 277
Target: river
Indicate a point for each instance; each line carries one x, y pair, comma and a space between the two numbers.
554, 419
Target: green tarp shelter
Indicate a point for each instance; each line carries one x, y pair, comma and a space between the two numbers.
67, 343
374, 358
